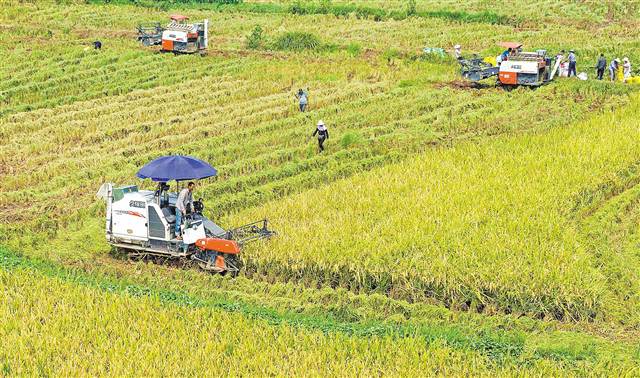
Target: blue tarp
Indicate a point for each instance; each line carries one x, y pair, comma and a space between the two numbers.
176, 167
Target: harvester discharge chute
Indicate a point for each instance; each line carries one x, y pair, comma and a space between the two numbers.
143, 222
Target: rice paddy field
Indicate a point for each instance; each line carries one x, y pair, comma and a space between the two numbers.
446, 229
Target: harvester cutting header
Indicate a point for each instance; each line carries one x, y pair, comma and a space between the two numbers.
513, 67
179, 36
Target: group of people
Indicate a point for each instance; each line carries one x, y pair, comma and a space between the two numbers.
601, 65
321, 129
571, 59
614, 67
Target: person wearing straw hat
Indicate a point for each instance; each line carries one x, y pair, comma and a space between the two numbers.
457, 51
323, 134
626, 68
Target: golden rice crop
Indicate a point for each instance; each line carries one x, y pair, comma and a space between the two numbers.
481, 224
500, 203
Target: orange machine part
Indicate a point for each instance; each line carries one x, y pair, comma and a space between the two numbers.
510, 78
218, 245
167, 45
220, 263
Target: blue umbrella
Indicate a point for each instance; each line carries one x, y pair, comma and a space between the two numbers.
176, 167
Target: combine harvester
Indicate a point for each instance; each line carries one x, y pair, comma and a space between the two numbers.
178, 37
142, 222
532, 69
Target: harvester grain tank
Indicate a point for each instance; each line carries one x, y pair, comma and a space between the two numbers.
142, 222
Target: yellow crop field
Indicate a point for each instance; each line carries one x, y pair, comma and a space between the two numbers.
447, 228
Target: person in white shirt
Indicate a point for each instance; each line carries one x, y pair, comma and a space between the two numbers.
185, 198
626, 68
457, 51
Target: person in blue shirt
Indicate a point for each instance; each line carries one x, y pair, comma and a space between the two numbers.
572, 63
303, 99
613, 69
505, 54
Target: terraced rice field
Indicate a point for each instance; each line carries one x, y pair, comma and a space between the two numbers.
471, 231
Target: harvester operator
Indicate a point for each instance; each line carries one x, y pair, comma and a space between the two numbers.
185, 198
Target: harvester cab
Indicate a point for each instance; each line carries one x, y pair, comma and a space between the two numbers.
143, 222
179, 36
518, 68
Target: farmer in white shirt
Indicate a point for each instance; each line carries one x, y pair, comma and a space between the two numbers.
185, 198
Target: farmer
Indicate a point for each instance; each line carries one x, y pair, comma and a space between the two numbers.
185, 198
457, 51
302, 97
505, 54
601, 65
626, 68
572, 63
613, 69
322, 133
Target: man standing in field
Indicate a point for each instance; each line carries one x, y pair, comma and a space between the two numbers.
572, 63
613, 69
185, 198
601, 65
303, 98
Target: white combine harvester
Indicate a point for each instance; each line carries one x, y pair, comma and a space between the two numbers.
178, 37
142, 222
531, 69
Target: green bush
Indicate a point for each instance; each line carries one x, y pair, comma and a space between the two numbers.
254, 40
297, 41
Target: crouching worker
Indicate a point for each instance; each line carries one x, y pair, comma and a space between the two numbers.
185, 199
